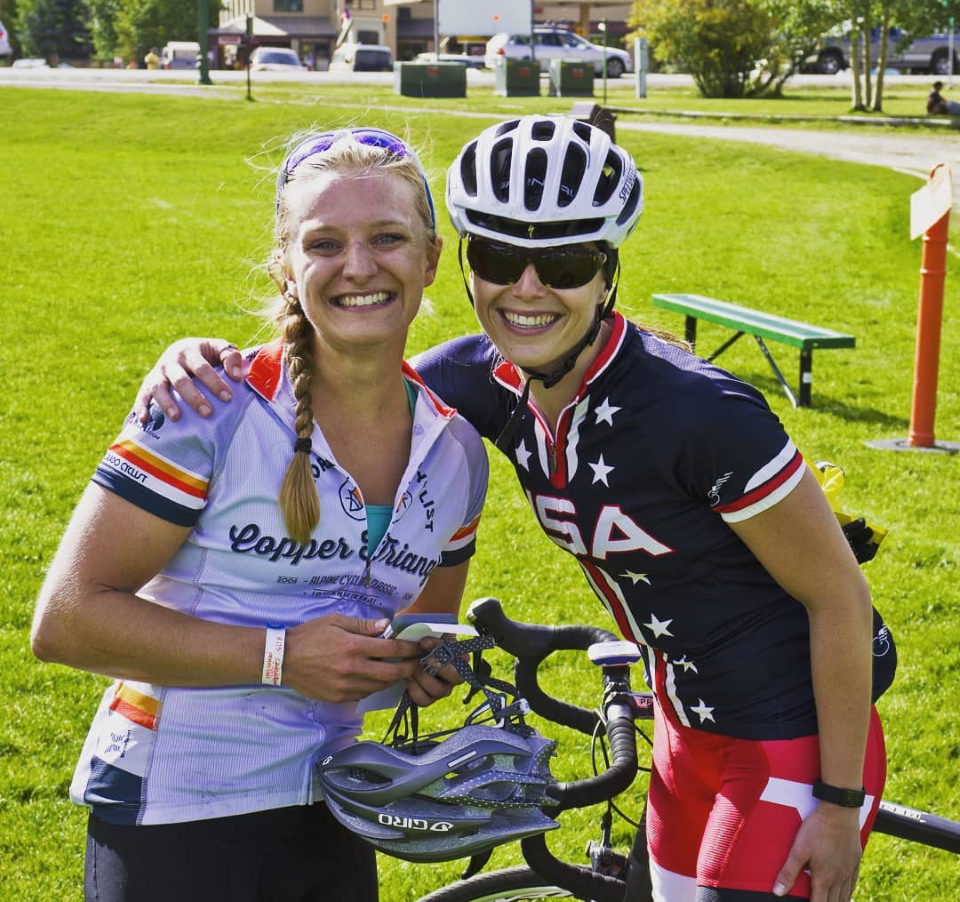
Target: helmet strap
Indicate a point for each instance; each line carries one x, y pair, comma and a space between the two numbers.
604, 310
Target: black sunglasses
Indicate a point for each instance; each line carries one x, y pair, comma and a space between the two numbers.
566, 266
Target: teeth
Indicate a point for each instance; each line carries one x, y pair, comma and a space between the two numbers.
362, 300
529, 322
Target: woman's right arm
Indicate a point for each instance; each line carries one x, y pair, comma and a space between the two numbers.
88, 616
178, 365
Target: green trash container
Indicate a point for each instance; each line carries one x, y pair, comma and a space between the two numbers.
571, 78
430, 79
516, 78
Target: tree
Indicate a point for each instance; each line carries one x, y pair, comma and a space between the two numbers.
52, 29
717, 41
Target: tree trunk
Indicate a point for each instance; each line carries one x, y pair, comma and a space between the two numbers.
884, 39
856, 42
867, 35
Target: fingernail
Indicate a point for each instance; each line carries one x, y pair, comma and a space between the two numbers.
173, 413
236, 372
381, 625
225, 396
204, 410
779, 890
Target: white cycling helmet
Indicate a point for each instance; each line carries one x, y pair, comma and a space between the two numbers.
542, 181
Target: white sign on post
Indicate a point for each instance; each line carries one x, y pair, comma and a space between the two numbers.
932, 201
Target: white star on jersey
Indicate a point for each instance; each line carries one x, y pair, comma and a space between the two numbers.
635, 577
600, 471
659, 627
605, 412
705, 712
523, 456
686, 665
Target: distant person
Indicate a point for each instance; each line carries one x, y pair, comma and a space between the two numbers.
938, 105
152, 59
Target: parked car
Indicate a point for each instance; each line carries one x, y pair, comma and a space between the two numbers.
275, 59
927, 54
30, 62
180, 55
362, 58
557, 43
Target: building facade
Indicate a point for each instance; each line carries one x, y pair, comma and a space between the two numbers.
314, 28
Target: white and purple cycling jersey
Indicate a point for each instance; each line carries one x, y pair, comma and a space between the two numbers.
657, 452
159, 754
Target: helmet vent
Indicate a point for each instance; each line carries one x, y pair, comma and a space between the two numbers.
500, 159
583, 130
630, 207
533, 178
543, 130
468, 170
505, 127
571, 176
609, 179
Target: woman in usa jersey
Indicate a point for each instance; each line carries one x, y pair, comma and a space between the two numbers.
689, 509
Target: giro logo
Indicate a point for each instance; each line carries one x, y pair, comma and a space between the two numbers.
351, 501
415, 823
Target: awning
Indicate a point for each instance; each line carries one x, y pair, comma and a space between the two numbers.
280, 27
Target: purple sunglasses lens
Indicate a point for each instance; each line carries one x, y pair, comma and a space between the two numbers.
372, 137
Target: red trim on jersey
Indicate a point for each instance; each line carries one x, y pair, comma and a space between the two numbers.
266, 370
771, 485
163, 475
613, 603
410, 373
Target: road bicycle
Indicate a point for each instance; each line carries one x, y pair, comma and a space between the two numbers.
611, 876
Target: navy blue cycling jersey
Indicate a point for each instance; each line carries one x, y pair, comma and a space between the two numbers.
657, 452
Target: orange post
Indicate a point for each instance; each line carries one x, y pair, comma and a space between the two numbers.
933, 270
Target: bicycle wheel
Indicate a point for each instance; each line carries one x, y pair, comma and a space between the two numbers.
509, 885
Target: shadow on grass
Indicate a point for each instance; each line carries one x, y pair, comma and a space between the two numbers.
826, 403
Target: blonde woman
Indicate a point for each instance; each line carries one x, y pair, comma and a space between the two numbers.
234, 574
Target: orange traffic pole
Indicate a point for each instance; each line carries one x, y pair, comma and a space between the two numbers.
933, 270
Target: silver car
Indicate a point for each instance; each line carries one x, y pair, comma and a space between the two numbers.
930, 54
556, 43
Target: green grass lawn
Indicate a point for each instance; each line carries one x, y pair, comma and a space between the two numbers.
127, 221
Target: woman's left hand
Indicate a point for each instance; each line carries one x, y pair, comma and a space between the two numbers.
425, 689
828, 845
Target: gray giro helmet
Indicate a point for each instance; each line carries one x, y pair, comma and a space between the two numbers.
479, 788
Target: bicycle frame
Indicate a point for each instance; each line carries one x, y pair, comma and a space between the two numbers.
611, 876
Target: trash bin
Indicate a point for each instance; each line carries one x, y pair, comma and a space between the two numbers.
516, 78
571, 78
602, 117
430, 79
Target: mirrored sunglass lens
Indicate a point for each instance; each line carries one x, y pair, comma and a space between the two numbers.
566, 268
563, 267
496, 263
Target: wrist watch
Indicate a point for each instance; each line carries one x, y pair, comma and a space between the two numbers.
845, 798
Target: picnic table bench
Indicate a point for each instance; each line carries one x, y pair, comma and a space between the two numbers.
746, 321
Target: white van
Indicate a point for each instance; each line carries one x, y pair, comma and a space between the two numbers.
362, 58
180, 55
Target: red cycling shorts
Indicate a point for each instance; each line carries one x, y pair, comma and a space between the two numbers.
723, 812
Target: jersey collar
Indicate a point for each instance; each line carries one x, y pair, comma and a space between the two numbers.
510, 376
265, 377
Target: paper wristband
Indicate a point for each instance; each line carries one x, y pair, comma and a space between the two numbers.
273, 655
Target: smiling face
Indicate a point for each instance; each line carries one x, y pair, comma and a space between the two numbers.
358, 255
534, 326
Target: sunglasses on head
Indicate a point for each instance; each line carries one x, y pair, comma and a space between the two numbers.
370, 137
566, 266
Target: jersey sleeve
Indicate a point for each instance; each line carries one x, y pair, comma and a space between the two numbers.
737, 455
460, 372
163, 466
463, 543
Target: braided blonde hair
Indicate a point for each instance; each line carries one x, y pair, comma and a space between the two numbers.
298, 500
